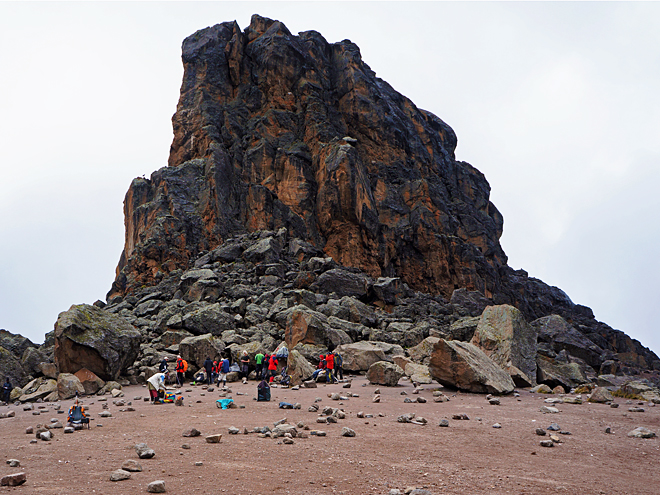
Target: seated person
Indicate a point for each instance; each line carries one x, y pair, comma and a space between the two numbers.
263, 391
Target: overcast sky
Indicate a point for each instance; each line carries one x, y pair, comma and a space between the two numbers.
558, 104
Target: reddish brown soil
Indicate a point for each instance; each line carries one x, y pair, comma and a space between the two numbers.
469, 457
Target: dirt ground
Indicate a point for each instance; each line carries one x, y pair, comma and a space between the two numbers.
468, 457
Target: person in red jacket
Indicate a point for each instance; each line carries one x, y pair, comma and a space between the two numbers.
272, 367
179, 371
330, 366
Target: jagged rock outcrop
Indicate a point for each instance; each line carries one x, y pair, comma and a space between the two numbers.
276, 130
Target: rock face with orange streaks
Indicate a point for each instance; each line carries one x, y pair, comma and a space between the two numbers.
276, 130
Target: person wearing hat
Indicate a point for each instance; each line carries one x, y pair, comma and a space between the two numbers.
179, 371
156, 386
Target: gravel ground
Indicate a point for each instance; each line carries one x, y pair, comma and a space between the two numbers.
468, 457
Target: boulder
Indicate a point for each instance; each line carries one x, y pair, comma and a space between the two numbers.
195, 350
421, 353
553, 373
384, 373
418, 373
102, 342
505, 336
15, 479
298, 367
172, 337
399, 332
388, 289
361, 355
39, 388
31, 360
560, 335
208, 319
90, 382
601, 395
49, 370
473, 301
11, 367
641, 432
305, 326
464, 328
264, 251
16, 344
68, 386
466, 367
342, 282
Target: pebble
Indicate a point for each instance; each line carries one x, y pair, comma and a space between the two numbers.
287, 440
461, 416
29, 430
376, 399
14, 463
199, 463
192, 432
444, 423
157, 486
185, 446
13, 479
497, 426
69, 429
421, 400
608, 430
233, 430
494, 401
120, 475
143, 451
547, 443
554, 427
635, 409
540, 432
614, 405
641, 432
318, 433
214, 438
132, 466
347, 432
549, 409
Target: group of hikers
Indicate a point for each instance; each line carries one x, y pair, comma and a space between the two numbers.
330, 365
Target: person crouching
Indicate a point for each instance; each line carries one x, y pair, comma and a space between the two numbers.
156, 386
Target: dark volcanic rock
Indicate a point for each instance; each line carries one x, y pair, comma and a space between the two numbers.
296, 139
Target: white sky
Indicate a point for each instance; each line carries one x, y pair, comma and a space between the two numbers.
556, 103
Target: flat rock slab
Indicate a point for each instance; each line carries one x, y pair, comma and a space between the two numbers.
13, 479
641, 432
132, 466
214, 438
120, 475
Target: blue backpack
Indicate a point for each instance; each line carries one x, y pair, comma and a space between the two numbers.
225, 366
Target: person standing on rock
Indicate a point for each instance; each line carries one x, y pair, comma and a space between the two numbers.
6, 391
330, 366
179, 371
156, 385
245, 365
259, 360
208, 366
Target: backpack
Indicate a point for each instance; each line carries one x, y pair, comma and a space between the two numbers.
184, 363
338, 360
225, 365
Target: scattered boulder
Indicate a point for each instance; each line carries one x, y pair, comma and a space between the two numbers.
15, 479
214, 438
553, 373
384, 373
196, 349
89, 337
505, 337
641, 432
464, 366
144, 452
361, 355
132, 466
120, 475
90, 382
69, 386
298, 368
601, 395
157, 486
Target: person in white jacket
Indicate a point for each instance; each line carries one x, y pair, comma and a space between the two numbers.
156, 384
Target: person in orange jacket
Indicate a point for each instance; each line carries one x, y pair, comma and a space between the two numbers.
272, 367
330, 366
179, 371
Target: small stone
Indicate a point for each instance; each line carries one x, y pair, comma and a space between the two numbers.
444, 423
346, 385
214, 438
407, 400
497, 426
554, 427
199, 463
318, 433
13, 479
641, 432
191, 432
375, 399
132, 466
635, 409
540, 432
105, 414
120, 475
157, 486
549, 410
233, 430
46, 436
614, 405
608, 429
547, 443
555, 439
461, 416
347, 432
143, 451
377, 391
360, 414
185, 446
14, 463
421, 400
69, 429
29, 430
287, 440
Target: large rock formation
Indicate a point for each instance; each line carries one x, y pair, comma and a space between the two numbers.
88, 337
276, 130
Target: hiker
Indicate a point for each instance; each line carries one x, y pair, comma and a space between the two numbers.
208, 366
6, 391
214, 372
259, 360
162, 367
156, 386
200, 377
263, 391
339, 365
180, 370
245, 363
272, 367
321, 367
71, 417
224, 369
330, 366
